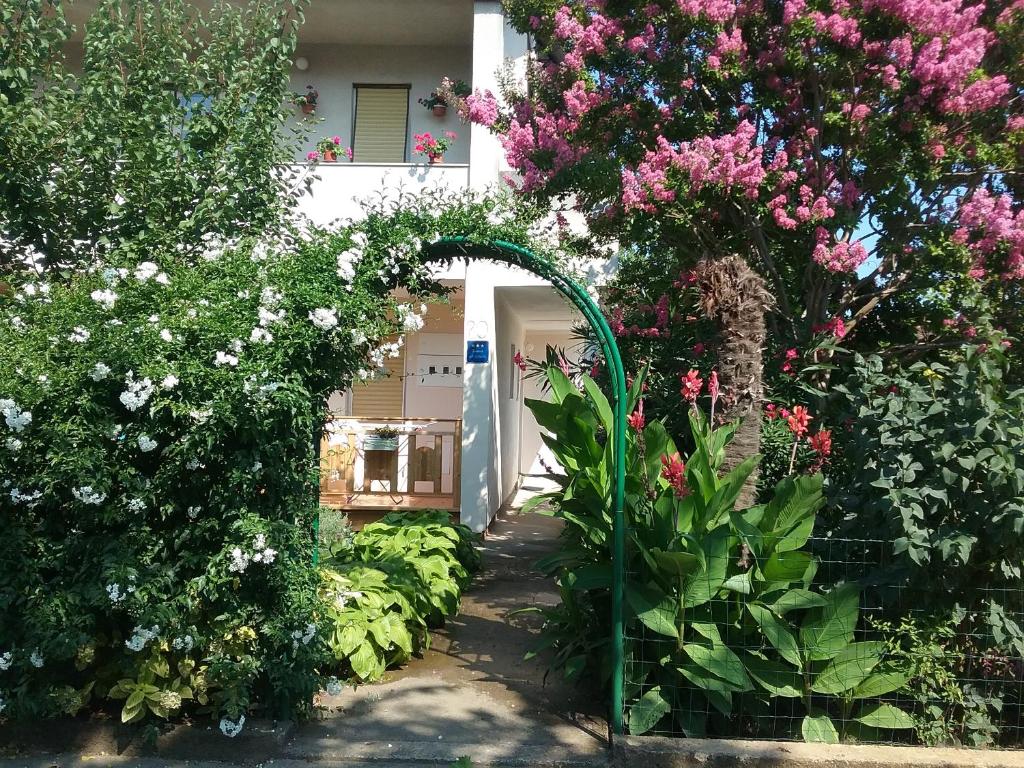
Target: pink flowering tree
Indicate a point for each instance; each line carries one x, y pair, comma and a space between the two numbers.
851, 152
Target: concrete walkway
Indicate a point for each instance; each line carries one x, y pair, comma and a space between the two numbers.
473, 693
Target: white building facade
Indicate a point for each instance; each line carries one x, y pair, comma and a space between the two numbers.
439, 430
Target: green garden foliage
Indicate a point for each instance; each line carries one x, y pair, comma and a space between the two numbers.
725, 622
159, 124
933, 465
158, 480
400, 576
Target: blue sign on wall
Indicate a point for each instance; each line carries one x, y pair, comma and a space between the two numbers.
477, 351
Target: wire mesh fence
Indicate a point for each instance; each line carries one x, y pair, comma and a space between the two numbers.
829, 641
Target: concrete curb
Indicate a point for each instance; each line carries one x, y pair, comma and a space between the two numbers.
660, 752
442, 753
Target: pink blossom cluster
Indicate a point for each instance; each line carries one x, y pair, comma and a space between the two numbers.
717, 11
482, 108
586, 38
944, 66
544, 132
732, 160
988, 223
843, 256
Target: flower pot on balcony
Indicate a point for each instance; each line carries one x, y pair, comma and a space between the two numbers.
436, 159
329, 156
377, 443
308, 109
439, 110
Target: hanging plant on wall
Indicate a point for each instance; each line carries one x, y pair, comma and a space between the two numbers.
307, 101
450, 92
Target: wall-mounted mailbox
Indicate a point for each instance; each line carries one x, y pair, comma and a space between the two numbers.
477, 351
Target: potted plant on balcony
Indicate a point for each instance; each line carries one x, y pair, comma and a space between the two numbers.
382, 439
307, 101
330, 147
434, 147
449, 92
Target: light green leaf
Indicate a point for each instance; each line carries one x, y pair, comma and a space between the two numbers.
827, 630
849, 667
773, 676
719, 660
777, 633
646, 713
787, 566
656, 610
819, 729
798, 599
885, 679
883, 715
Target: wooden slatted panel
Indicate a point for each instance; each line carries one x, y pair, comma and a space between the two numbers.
382, 398
382, 116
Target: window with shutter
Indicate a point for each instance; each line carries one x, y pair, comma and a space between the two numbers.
383, 397
381, 124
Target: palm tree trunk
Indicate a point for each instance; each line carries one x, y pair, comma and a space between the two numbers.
735, 297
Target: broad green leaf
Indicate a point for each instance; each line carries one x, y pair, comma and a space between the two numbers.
884, 679
820, 729
588, 577
366, 663
827, 630
722, 504
739, 583
561, 386
676, 563
604, 409
798, 599
849, 667
777, 633
773, 676
705, 680
646, 713
703, 585
657, 611
884, 715
719, 660
787, 566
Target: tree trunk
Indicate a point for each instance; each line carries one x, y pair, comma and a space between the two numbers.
735, 297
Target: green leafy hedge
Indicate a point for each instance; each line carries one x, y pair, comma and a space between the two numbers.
400, 576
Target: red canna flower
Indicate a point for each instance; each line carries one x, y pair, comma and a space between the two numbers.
674, 470
713, 388
821, 443
770, 412
519, 361
692, 385
798, 420
636, 419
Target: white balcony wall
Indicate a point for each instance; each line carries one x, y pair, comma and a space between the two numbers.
335, 68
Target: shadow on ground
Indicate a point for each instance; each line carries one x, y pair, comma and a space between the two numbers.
473, 692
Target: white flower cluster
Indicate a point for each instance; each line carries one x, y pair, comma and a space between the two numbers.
193, 512
225, 358
87, 495
36, 659
348, 259
342, 597
146, 443
136, 505
99, 372
6, 659
137, 393
170, 381
184, 643
13, 444
166, 335
115, 593
147, 270
324, 318
411, 320
18, 324
261, 553
79, 335
106, 298
269, 314
16, 418
31, 290
141, 637
303, 636
18, 497
231, 729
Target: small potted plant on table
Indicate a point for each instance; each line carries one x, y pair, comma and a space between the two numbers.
434, 147
449, 92
382, 439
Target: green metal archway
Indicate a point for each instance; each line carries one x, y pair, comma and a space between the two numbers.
509, 253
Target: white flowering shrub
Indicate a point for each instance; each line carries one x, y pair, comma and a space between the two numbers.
158, 417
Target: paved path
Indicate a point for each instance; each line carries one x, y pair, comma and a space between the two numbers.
473, 693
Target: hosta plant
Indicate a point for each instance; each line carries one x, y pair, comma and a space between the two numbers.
723, 617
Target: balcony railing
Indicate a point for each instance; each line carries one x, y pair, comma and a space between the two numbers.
340, 186
364, 468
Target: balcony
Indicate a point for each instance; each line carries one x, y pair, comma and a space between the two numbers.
372, 465
339, 187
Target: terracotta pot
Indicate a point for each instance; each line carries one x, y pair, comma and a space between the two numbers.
308, 109
439, 110
436, 159
329, 156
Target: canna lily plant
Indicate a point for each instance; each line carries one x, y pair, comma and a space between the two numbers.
724, 621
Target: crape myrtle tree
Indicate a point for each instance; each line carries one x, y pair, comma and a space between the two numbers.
858, 160
152, 124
